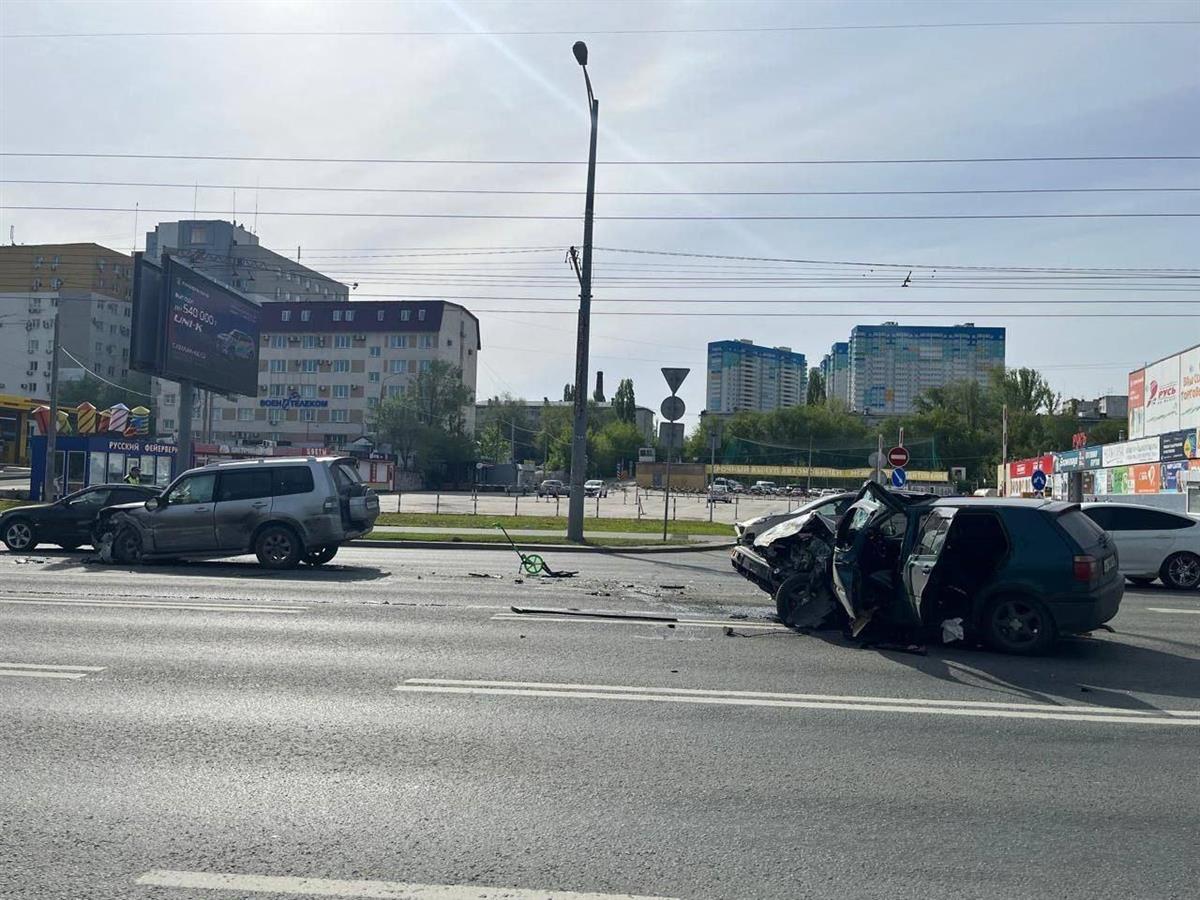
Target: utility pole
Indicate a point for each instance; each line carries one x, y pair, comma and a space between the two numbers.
579, 430
1004, 439
879, 461
49, 489
183, 444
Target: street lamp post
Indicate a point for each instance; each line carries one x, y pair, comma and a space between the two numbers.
579, 431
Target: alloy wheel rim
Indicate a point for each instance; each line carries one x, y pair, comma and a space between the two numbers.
277, 547
19, 535
1018, 623
1185, 571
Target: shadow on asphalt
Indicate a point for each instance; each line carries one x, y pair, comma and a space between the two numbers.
331, 572
1102, 670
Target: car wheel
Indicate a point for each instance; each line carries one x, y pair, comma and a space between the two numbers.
1019, 625
278, 547
19, 535
1180, 571
321, 555
127, 545
1139, 580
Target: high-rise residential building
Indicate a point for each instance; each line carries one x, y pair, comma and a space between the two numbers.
743, 376
891, 364
835, 368
229, 253
88, 287
324, 366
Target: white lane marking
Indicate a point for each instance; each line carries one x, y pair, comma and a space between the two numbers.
40, 670
1164, 609
805, 701
599, 620
143, 604
385, 890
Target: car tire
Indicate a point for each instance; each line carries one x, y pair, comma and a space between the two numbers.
1180, 571
1140, 580
278, 547
19, 535
127, 545
1019, 625
320, 555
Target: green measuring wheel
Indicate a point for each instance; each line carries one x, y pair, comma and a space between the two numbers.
533, 564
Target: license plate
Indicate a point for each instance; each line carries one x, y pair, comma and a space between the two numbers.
1109, 564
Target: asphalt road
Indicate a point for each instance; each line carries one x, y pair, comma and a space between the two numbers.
216, 731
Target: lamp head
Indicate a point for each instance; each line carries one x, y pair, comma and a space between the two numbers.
580, 51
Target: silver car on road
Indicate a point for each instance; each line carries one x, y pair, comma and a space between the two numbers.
285, 511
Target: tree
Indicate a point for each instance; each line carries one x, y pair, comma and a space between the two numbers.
493, 443
1025, 390
425, 425
816, 387
623, 403
99, 393
614, 443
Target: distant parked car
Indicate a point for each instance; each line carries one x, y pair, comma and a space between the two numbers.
763, 487
595, 487
1152, 543
236, 344
68, 522
719, 493
285, 511
552, 487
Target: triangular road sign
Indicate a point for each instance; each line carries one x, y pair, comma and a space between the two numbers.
675, 377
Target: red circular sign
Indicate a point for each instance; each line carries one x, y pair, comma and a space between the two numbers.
898, 457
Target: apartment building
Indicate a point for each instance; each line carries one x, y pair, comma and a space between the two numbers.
835, 368
746, 377
229, 253
324, 366
890, 365
85, 284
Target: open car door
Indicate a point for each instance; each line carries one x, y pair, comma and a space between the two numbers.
864, 570
922, 562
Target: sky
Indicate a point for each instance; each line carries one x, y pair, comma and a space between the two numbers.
728, 82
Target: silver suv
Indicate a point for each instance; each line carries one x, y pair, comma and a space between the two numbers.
285, 511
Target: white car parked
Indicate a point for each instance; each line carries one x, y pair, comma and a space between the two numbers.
1152, 543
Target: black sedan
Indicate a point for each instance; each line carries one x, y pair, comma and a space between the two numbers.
68, 522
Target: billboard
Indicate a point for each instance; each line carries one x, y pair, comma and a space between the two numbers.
1137, 404
211, 334
1145, 450
1189, 388
1162, 396
146, 325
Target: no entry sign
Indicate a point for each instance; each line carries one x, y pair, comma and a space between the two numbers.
898, 457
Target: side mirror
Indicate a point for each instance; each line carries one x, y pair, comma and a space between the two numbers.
154, 503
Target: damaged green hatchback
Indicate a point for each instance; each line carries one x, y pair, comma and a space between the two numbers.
1013, 573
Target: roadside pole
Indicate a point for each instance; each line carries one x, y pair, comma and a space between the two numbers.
667, 491
879, 461
808, 488
49, 490
183, 443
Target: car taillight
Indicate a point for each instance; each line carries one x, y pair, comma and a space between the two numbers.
1086, 568
330, 504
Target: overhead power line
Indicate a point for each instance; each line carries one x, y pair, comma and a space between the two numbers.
610, 162
576, 193
638, 218
525, 32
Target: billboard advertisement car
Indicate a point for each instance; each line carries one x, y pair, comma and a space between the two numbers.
1162, 396
211, 335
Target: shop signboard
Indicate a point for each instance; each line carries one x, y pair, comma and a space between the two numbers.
1093, 457
1068, 461
1137, 404
1024, 468
1191, 446
1147, 478
1174, 444
1171, 477
1162, 396
1130, 452
1119, 481
1189, 388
